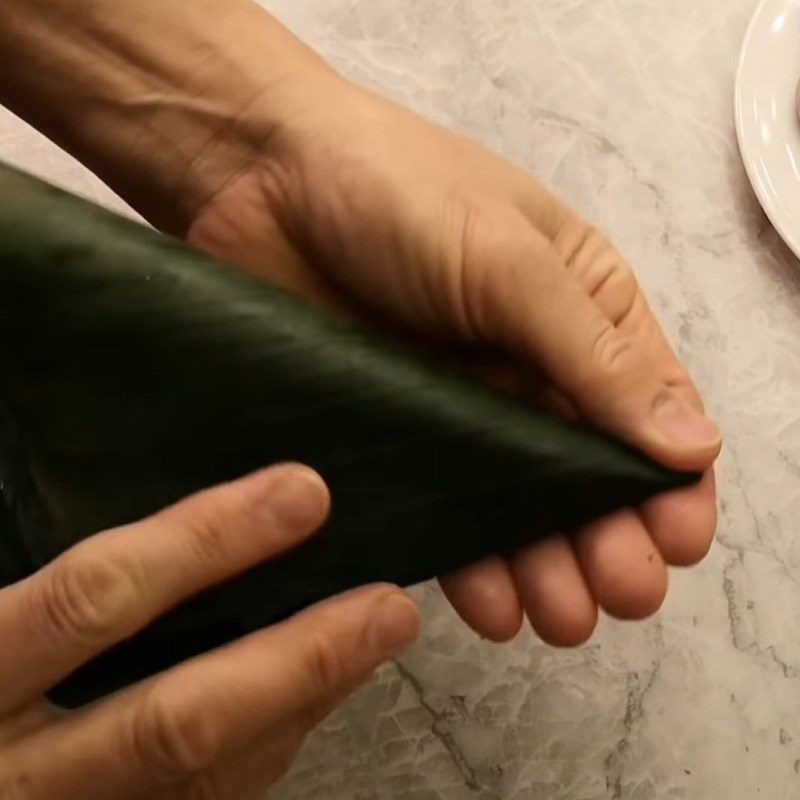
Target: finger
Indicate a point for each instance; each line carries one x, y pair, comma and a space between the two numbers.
112, 585
612, 285
485, 597
187, 721
682, 523
624, 570
546, 313
606, 277
553, 590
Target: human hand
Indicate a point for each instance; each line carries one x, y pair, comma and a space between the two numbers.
224, 725
223, 119
362, 206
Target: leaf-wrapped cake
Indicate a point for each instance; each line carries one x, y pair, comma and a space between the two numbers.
136, 371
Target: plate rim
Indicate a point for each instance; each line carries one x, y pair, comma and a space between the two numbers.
792, 241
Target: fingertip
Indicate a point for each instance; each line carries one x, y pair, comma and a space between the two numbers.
572, 631
623, 567
502, 626
570, 626
486, 599
683, 522
557, 601
639, 600
681, 459
336, 644
681, 436
395, 624
294, 494
388, 616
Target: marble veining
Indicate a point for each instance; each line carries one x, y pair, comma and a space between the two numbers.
624, 107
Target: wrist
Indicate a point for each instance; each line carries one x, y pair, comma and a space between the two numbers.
206, 139
267, 126
165, 106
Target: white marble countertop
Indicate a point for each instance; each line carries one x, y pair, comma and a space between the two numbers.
625, 108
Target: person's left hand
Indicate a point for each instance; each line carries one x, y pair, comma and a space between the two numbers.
224, 725
366, 208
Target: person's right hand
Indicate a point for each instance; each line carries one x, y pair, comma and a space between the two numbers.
224, 725
360, 205
221, 126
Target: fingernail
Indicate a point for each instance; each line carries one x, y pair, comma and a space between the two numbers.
685, 425
396, 623
297, 497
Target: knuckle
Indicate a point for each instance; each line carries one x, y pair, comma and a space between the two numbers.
206, 533
467, 294
85, 600
598, 265
589, 241
168, 746
210, 521
617, 291
611, 352
572, 239
325, 667
679, 377
618, 275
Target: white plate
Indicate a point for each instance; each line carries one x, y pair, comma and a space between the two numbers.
766, 113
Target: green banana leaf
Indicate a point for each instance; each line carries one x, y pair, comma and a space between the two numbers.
136, 371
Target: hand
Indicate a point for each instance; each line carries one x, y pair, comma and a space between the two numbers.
224, 725
368, 209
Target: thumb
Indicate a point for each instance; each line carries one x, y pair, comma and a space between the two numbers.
518, 293
323, 654
292, 674
190, 720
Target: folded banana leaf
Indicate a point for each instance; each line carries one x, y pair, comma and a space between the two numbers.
136, 371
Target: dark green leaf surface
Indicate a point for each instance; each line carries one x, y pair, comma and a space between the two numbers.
136, 371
